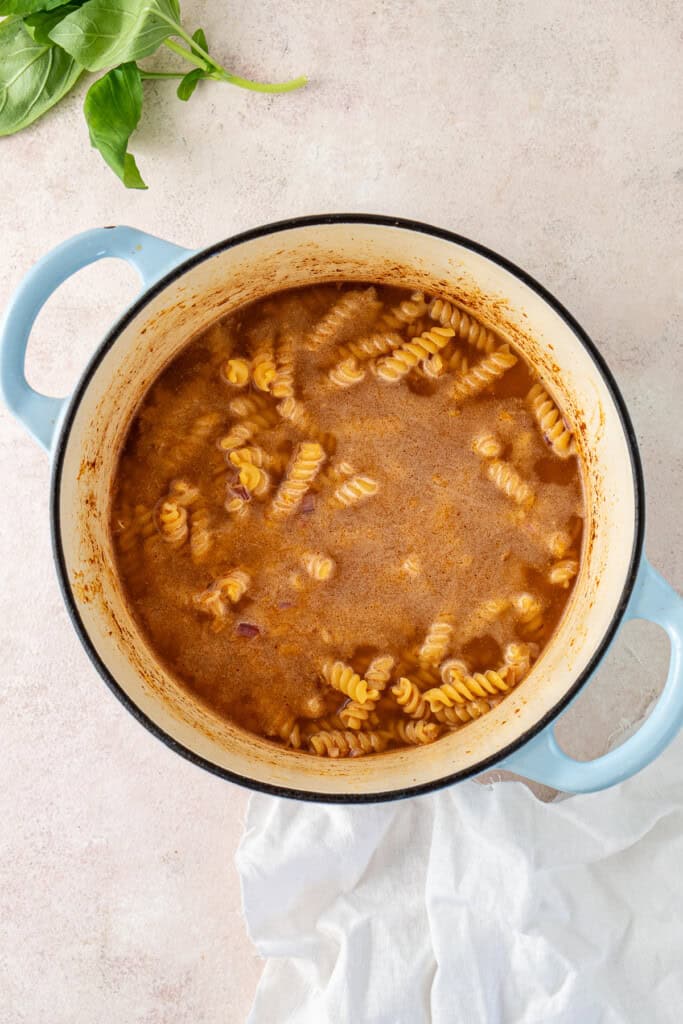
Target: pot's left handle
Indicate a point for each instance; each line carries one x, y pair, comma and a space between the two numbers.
152, 258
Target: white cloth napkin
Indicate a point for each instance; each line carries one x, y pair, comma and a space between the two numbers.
476, 904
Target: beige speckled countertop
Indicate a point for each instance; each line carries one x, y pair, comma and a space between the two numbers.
549, 132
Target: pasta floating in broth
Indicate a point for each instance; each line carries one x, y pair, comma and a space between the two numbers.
349, 518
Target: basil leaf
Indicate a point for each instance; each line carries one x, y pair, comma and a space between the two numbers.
33, 77
112, 108
28, 6
41, 24
110, 32
188, 84
200, 39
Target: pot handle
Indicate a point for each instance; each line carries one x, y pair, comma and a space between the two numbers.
152, 258
542, 759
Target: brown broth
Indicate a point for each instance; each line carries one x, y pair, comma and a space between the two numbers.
437, 538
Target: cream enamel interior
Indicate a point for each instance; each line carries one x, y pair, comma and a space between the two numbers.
296, 256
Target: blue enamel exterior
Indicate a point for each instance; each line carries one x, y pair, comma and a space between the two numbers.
150, 256
540, 758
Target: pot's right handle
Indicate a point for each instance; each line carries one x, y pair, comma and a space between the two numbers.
152, 258
542, 759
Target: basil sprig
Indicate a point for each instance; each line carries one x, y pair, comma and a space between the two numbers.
45, 46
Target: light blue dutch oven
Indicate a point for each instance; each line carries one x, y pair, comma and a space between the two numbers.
182, 292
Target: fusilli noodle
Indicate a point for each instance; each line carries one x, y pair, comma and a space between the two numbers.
488, 446
237, 372
406, 312
343, 678
318, 567
346, 744
409, 698
555, 431
351, 491
416, 733
464, 326
562, 573
483, 373
353, 308
306, 462
173, 523
411, 353
347, 373
438, 640
509, 482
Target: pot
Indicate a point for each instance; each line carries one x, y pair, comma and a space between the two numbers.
184, 291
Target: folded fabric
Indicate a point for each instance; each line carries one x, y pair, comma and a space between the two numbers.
474, 904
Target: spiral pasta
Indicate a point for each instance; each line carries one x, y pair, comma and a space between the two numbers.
438, 640
409, 698
283, 384
351, 309
373, 345
506, 478
343, 678
248, 428
286, 727
461, 714
263, 369
234, 585
303, 468
318, 566
405, 312
483, 373
200, 535
347, 743
555, 432
172, 519
518, 658
416, 733
356, 489
487, 446
461, 689
465, 326
355, 714
237, 372
562, 573
394, 367
252, 476
529, 614
347, 373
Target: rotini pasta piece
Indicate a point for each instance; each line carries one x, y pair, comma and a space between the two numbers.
283, 384
172, 520
200, 535
529, 614
506, 478
488, 446
461, 689
347, 743
466, 327
483, 373
373, 345
356, 715
210, 602
234, 585
458, 362
555, 431
347, 373
246, 405
318, 566
203, 427
143, 521
183, 493
416, 733
237, 372
394, 367
237, 504
286, 727
248, 428
255, 479
410, 699
438, 640
303, 468
356, 489
252, 455
434, 367
460, 714
264, 371
352, 309
562, 573
330, 723
294, 411
343, 678
406, 312
518, 658
560, 543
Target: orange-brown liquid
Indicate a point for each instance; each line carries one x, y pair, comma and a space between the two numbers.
437, 538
